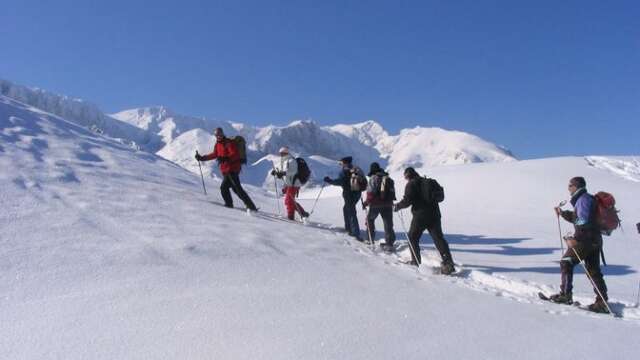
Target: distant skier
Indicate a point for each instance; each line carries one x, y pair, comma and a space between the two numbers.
288, 170
380, 196
423, 195
587, 243
353, 182
229, 160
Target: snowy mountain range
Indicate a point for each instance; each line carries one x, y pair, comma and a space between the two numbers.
176, 137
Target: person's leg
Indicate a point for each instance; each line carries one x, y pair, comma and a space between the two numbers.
387, 220
592, 264
415, 232
237, 188
372, 214
567, 263
440, 242
297, 205
224, 191
289, 202
352, 218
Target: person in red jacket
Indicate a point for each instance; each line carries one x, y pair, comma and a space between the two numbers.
228, 156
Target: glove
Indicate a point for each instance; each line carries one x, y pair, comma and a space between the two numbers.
273, 173
396, 208
223, 158
280, 174
327, 179
199, 157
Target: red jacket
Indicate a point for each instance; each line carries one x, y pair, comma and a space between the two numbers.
228, 150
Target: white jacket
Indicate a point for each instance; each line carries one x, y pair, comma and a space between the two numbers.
289, 166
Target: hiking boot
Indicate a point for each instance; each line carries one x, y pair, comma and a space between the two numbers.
304, 214
599, 306
562, 298
447, 268
387, 248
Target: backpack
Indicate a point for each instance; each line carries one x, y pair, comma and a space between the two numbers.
357, 181
241, 144
303, 171
606, 214
385, 188
431, 191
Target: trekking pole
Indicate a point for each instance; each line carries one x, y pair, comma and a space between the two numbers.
408, 240
201, 176
275, 188
561, 204
366, 221
593, 282
317, 198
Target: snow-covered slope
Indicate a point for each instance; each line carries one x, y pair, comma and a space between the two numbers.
107, 252
79, 111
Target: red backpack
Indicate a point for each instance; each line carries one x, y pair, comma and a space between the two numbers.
606, 213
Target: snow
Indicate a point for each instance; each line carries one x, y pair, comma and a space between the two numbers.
110, 252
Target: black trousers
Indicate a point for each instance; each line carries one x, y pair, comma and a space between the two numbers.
590, 253
387, 219
232, 181
350, 214
418, 226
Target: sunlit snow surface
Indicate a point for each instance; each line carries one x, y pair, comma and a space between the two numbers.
111, 253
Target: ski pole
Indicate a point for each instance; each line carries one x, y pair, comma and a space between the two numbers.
592, 282
408, 240
201, 176
561, 204
317, 198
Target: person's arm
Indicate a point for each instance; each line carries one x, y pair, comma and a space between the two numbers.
212, 155
338, 182
409, 195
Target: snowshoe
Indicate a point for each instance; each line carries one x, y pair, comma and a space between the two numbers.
387, 248
599, 306
447, 268
562, 298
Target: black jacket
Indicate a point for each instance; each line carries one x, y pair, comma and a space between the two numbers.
426, 211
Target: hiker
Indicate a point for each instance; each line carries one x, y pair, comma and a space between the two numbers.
288, 171
586, 244
423, 195
350, 193
380, 196
229, 160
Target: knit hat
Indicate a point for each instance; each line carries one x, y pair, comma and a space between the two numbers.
346, 160
374, 168
284, 150
578, 182
411, 172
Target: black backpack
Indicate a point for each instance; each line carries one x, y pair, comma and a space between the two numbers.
241, 144
304, 173
431, 191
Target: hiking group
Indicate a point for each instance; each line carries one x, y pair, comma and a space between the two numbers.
591, 216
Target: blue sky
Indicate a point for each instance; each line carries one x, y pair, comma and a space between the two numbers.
543, 78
